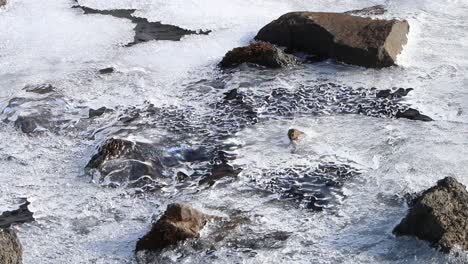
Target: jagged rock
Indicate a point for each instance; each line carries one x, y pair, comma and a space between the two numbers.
439, 215
98, 112
295, 135
413, 114
121, 161
39, 89
260, 53
178, 223
342, 37
106, 70
11, 251
18, 216
376, 10
399, 93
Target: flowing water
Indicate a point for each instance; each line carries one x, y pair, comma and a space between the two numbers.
333, 198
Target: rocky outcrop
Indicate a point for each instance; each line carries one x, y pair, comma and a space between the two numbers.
439, 215
11, 251
18, 216
260, 53
413, 114
131, 163
178, 223
342, 37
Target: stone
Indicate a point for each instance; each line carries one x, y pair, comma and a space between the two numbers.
295, 135
18, 216
178, 223
121, 161
259, 53
439, 215
345, 38
11, 251
3, 2
98, 112
106, 70
413, 114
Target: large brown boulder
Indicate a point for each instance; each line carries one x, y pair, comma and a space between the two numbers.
343, 37
260, 53
178, 223
11, 251
439, 215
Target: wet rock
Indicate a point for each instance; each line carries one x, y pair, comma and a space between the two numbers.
221, 169
11, 251
295, 135
41, 109
376, 10
399, 93
106, 70
40, 89
124, 162
3, 2
260, 53
439, 215
413, 114
178, 223
98, 112
144, 29
18, 216
342, 37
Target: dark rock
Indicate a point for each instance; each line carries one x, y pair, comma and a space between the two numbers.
376, 10
106, 70
413, 114
11, 251
40, 89
178, 223
401, 92
221, 169
260, 53
295, 135
98, 112
27, 124
342, 37
144, 29
18, 216
120, 161
439, 215
3, 2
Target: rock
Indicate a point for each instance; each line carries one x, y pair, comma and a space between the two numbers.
98, 112
413, 114
144, 30
369, 11
18, 216
295, 135
260, 53
3, 2
345, 38
401, 92
439, 215
121, 161
11, 251
106, 70
178, 223
39, 89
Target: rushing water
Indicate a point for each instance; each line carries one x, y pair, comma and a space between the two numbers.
334, 198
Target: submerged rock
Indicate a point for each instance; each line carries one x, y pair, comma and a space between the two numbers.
11, 251
413, 114
260, 53
18, 216
439, 215
369, 11
178, 223
342, 37
98, 112
130, 163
